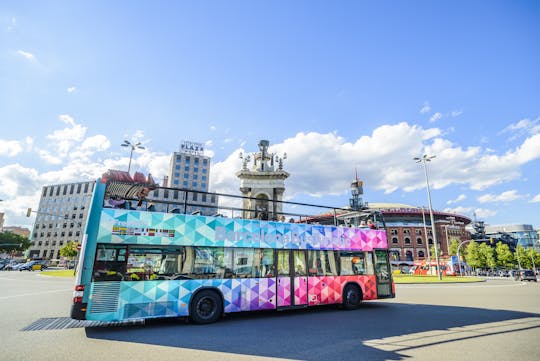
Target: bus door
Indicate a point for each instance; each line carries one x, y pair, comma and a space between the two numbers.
291, 278
383, 273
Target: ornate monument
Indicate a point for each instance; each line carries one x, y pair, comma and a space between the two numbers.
262, 177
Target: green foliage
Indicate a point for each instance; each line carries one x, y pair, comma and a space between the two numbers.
473, 256
69, 250
453, 247
505, 258
487, 256
13, 242
432, 251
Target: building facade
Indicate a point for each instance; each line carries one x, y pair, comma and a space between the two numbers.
410, 235
189, 170
20, 231
525, 234
61, 216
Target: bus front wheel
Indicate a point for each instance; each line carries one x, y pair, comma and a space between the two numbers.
206, 307
352, 297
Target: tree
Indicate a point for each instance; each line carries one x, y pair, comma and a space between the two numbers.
521, 259
534, 255
69, 250
473, 256
453, 247
505, 258
10, 241
432, 251
487, 256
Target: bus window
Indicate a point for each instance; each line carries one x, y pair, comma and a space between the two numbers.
299, 263
322, 263
110, 263
283, 263
352, 263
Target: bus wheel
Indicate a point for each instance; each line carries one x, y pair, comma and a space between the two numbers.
352, 297
206, 307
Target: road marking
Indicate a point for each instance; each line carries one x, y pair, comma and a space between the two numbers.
465, 285
430, 338
34, 294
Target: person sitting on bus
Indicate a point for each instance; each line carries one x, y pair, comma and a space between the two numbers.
371, 225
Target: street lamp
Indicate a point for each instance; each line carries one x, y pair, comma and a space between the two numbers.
427, 243
425, 158
127, 143
451, 219
458, 259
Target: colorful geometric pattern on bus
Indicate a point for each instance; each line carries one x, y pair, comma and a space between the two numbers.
147, 299
284, 291
300, 291
128, 226
329, 289
171, 298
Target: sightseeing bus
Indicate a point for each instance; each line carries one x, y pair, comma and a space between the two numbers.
135, 263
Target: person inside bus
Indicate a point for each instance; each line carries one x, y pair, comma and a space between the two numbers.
371, 225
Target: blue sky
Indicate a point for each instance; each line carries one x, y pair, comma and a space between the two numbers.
336, 85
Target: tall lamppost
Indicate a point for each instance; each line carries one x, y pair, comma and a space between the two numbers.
427, 242
127, 143
425, 158
458, 259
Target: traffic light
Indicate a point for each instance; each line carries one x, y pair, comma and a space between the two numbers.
29, 212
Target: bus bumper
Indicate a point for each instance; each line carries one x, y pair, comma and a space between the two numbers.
78, 311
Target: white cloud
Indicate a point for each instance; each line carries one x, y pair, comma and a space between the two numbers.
435, 117
312, 155
460, 198
479, 213
425, 108
28, 56
483, 213
213, 128
71, 89
12, 23
536, 199
523, 128
10, 148
507, 196
456, 113
62, 141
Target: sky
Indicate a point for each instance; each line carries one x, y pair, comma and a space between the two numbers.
341, 87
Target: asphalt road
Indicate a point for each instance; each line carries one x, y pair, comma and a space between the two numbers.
493, 320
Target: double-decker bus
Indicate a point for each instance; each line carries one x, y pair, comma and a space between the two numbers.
136, 263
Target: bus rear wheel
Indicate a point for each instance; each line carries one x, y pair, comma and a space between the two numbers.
352, 297
206, 307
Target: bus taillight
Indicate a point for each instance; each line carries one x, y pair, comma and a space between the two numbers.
78, 294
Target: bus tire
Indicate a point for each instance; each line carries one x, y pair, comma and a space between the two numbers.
206, 307
352, 297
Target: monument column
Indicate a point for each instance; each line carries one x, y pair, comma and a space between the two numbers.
262, 177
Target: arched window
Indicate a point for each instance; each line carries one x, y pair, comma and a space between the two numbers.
407, 240
419, 240
421, 254
394, 240
430, 241
409, 256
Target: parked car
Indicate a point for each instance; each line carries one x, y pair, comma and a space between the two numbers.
525, 275
12, 266
33, 266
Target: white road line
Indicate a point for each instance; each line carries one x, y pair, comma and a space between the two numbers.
463, 285
34, 294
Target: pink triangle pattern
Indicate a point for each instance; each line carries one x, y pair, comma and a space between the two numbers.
284, 291
300, 291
